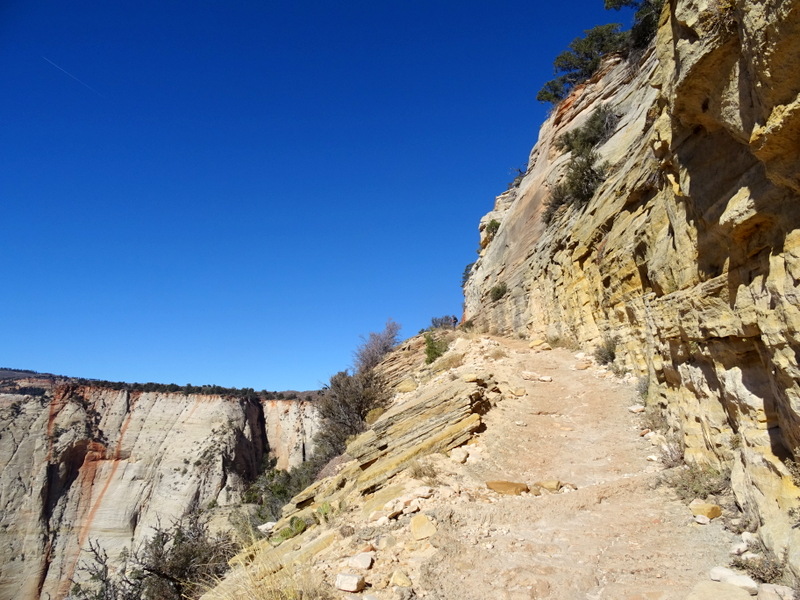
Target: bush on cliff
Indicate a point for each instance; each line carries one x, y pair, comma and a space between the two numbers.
584, 172
176, 563
342, 406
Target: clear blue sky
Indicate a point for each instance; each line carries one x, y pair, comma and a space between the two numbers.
233, 192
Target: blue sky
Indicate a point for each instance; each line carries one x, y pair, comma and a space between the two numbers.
233, 193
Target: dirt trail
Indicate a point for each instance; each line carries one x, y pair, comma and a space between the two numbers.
617, 537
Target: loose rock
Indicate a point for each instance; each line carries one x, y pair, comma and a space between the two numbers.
507, 487
349, 583
422, 527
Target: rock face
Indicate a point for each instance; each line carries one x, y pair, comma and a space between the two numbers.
689, 252
83, 463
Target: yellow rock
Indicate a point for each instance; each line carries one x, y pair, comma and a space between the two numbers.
712, 511
422, 527
507, 487
551, 485
400, 579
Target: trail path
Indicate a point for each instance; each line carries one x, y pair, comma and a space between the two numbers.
618, 536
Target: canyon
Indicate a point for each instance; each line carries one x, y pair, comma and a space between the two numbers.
81, 464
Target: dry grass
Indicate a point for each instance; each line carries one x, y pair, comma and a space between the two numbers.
261, 581
423, 471
699, 482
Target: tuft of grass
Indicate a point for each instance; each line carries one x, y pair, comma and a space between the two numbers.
498, 291
695, 481
606, 352
423, 471
794, 467
767, 568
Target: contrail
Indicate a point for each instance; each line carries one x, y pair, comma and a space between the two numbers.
86, 85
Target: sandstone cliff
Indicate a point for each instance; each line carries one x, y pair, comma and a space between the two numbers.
689, 253
83, 463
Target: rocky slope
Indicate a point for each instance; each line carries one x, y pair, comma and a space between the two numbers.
689, 253
508, 472
82, 463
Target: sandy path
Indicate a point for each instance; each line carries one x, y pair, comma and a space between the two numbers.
618, 537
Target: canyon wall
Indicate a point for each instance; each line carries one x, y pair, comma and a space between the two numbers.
689, 253
84, 464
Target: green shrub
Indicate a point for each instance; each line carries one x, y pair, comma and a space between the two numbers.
466, 274
598, 128
645, 21
583, 175
498, 291
491, 229
434, 347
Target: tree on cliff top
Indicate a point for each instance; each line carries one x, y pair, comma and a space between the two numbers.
645, 21
581, 60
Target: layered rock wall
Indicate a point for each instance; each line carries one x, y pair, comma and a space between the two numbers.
86, 464
689, 253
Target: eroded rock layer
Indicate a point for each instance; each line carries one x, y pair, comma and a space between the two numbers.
85, 464
689, 252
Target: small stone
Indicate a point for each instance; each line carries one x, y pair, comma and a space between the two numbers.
713, 590
267, 527
551, 485
545, 378
422, 527
470, 378
520, 423
537, 343
702, 520
362, 560
400, 579
386, 541
349, 583
653, 458
382, 522
507, 487
412, 508
698, 507
751, 556
582, 366
751, 539
422, 491
460, 455
644, 432
545, 346
739, 548
636, 408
